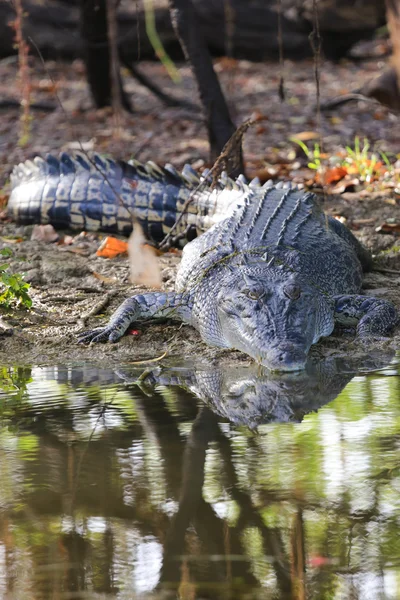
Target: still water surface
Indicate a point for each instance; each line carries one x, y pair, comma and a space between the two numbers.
200, 483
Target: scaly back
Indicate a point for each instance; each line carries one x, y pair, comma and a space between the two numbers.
278, 223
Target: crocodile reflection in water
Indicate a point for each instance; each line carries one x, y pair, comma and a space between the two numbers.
247, 395
105, 484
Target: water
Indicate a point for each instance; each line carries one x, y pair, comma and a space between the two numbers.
199, 483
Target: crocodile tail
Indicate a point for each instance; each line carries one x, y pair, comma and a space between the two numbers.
99, 193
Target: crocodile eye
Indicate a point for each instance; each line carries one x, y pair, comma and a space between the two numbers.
251, 294
292, 291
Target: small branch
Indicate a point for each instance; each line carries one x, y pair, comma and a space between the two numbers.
8, 103
377, 269
98, 307
24, 78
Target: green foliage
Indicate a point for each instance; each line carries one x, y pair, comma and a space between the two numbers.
14, 382
313, 155
13, 288
357, 161
365, 163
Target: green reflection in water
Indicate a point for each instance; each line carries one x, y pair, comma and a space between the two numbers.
110, 488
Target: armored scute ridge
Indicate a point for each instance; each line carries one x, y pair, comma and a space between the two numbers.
270, 276
106, 195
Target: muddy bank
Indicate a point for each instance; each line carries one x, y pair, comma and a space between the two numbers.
73, 289
69, 282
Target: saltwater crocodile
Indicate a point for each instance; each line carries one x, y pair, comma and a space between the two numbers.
270, 279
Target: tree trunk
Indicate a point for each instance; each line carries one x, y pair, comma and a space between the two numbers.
393, 19
97, 55
219, 124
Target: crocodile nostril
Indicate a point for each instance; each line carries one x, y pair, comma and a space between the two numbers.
291, 357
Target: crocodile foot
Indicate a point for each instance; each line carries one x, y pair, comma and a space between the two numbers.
100, 334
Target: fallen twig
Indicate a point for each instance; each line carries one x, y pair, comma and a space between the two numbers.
98, 307
384, 270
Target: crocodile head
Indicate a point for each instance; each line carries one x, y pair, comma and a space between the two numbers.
273, 315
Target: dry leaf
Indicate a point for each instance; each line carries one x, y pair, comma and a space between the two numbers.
305, 136
68, 240
143, 262
44, 233
11, 240
3, 200
334, 174
388, 228
112, 247
344, 185
361, 222
104, 279
225, 63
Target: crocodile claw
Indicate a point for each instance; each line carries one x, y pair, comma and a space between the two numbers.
100, 334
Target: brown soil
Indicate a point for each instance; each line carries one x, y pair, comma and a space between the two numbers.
68, 281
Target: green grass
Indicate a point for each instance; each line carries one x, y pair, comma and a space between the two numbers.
357, 161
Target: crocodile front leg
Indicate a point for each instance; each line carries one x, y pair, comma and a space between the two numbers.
373, 316
153, 305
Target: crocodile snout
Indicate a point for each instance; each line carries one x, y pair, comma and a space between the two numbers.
285, 357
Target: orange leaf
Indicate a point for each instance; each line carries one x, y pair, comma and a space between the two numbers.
112, 247
352, 170
335, 174
377, 166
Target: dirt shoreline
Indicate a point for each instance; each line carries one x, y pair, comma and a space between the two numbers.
68, 281
66, 286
